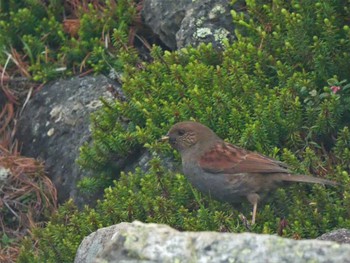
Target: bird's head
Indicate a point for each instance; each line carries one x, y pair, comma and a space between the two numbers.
186, 135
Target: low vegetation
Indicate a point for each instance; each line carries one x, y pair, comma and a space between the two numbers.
281, 89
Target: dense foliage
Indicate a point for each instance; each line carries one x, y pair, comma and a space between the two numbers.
280, 89
46, 39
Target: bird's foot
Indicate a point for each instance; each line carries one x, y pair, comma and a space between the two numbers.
245, 222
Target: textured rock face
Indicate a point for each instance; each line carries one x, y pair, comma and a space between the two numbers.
55, 124
185, 22
206, 21
138, 242
95, 242
340, 236
164, 18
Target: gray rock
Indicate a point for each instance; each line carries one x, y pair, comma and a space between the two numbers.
139, 242
55, 124
95, 242
164, 18
206, 21
341, 236
182, 23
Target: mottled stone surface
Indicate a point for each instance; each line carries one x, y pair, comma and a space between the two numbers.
206, 21
185, 22
139, 242
341, 236
95, 243
55, 124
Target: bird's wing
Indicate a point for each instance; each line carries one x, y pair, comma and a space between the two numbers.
229, 159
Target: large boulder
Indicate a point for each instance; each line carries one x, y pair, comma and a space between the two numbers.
55, 124
185, 22
139, 242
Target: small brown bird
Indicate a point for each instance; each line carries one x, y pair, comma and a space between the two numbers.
227, 172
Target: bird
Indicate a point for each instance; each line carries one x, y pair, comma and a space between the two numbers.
225, 171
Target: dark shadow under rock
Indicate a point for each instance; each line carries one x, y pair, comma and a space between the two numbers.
164, 18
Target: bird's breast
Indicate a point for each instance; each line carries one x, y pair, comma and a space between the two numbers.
219, 186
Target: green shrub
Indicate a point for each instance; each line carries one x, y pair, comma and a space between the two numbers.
160, 196
280, 89
34, 30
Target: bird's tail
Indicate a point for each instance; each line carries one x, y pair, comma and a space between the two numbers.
307, 179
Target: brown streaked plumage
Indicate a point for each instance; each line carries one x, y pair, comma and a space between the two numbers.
227, 172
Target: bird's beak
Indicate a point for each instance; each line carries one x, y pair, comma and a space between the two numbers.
164, 138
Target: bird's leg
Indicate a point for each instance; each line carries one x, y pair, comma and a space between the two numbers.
253, 198
255, 206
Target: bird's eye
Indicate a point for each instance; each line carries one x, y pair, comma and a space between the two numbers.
181, 132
